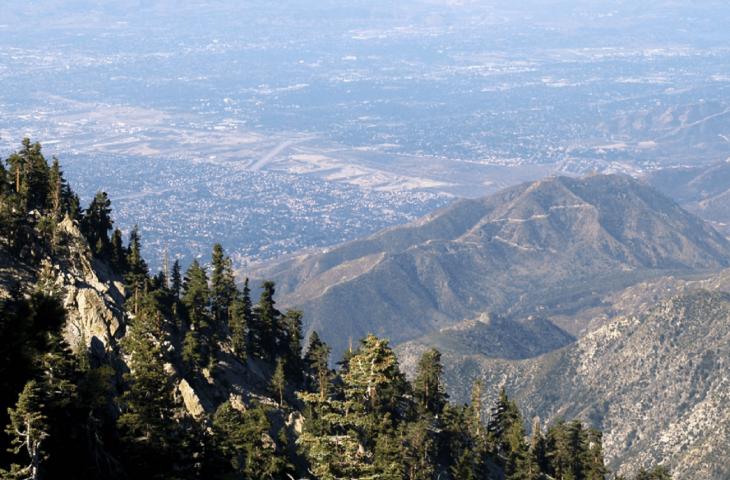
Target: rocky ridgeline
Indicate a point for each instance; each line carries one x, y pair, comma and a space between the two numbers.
535, 249
656, 383
94, 297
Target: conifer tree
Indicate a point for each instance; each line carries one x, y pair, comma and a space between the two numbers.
176, 280
595, 468
240, 321
388, 451
537, 460
55, 190
30, 173
246, 442
28, 430
419, 453
222, 287
427, 387
316, 362
290, 342
118, 255
147, 420
96, 224
137, 271
373, 381
278, 381
476, 413
506, 434
559, 452
266, 323
196, 298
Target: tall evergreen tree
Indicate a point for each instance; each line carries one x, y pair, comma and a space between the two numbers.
373, 382
199, 342
266, 324
427, 387
240, 321
96, 224
30, 174
506, 434
118, 254
28, 429
55, 190
148, 419
137, 271
222, 287
278, 381
246, 441
176, 280
316, 362
290, 342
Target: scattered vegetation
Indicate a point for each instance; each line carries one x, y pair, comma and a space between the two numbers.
78, 415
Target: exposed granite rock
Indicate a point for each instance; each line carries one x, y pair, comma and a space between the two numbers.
190, 399
92, 295
656, 383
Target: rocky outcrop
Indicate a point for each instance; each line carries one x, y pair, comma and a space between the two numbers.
655, 383
190, 399
93, 296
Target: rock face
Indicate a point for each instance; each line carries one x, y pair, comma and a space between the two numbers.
655, 383
93, 296
524, 250
190, 399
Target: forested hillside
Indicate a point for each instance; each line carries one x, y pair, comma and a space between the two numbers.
111, 371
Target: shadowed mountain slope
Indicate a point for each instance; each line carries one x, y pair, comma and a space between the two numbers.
703, 190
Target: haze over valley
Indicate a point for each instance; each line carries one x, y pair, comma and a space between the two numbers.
349, 117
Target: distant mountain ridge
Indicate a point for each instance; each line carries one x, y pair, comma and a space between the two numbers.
513, 248
703, 190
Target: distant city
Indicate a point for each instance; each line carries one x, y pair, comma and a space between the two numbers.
343, 121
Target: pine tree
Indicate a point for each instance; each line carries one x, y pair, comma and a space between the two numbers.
290, 342
476, 412
595, 468
30, 172
278, 381
247, 443
176, 280
427, 387
55, 190
196, 296
117, 255
266, 324
147, 421
96, 224
28, 429
388, 451
240, 322
506, 434
373, 381
420, 450
137, 271
537, 460
222, 286
316, 362
558, 451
